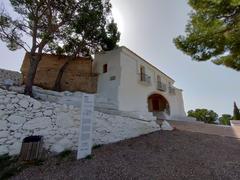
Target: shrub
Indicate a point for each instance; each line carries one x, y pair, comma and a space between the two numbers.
225, 119
9, 166
236, 113
205, 115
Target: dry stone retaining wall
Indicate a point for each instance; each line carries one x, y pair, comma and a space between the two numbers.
22, 116
10, 75
110, 128
59, 124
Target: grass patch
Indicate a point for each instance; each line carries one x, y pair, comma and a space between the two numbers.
12, 171
97, 146
65, 154
89, 157
11, 166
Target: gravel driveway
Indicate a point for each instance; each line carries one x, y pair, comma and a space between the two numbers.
161, 155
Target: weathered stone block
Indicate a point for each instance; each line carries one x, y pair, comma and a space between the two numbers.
3, 134
15, 148
15, 100
40, 122
2, 107
36, 105
2, 113
64, 120
3, 149
3, 124
16, 119
47, 113
24, 103
61, 145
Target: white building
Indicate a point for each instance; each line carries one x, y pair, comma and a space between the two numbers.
128, 83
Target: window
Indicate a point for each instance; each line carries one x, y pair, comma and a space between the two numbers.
142, 73
158, 78
105, 68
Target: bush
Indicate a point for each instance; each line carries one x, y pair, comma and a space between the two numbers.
225, 119
9, 166
236, 113
205, 115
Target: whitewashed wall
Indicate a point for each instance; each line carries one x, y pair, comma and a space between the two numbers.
133, 95
22, 116
112, 128
107, 91
12, 75
128, 92
59, 124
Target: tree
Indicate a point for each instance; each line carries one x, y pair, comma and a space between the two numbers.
207, 116
225, 119
92, 30
236, 113
212, 32
41, 21
47, 22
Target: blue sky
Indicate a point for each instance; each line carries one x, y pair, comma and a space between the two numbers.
148, 28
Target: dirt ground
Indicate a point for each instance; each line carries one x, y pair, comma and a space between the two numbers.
161, 155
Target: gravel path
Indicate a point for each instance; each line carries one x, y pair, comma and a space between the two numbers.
173, 155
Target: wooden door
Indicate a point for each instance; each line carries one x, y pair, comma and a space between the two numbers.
155, 105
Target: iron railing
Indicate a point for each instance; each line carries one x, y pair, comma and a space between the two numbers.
161, 86
172, 90
145, 78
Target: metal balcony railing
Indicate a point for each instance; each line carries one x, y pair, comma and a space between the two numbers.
161, 86
144, 78
172, 90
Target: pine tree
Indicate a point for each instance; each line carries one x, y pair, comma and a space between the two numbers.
212, 32
80, 26
236, 113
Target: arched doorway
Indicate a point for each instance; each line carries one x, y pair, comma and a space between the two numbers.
158, 103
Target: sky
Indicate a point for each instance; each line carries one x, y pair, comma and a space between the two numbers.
148, 28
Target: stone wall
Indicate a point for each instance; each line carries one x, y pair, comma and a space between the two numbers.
74, 98
10, 75
109, 128
59, 124
66, 97
78, 75
22, 116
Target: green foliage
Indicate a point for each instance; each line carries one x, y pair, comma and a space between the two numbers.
207, 116
64, 154
212, 33
236, 113
91, 29
8, 33
97, 146
9, 166
38, 20
70, 27
89, 157
225, 119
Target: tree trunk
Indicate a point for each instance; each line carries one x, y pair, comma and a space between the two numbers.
34, 61
57, 85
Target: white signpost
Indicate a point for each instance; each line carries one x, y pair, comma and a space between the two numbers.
86, 118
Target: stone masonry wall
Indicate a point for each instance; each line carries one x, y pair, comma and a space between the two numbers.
22, 116
59, 124
78, 75
12, 75
109, 128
